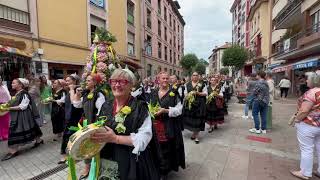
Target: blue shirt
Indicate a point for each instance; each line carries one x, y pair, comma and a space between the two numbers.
261, 91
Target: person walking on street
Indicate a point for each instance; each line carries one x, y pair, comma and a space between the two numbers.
260, 104
250, 86
308, 128
284, 85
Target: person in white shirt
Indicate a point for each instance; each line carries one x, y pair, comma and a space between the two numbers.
284, 85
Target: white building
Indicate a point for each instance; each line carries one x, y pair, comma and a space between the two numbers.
215, 59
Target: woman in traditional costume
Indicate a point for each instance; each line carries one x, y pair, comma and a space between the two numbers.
58, 113
23, 126
45, 94
4, 117
195, 107
215, 101
72, 114
167, 124
128, 154
91, 100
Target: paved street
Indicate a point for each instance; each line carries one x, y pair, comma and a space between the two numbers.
224, 154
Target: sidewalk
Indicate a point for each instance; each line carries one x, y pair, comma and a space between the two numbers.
225, 154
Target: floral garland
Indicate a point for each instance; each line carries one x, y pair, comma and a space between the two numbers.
120, 118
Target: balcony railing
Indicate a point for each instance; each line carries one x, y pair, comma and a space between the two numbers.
287, 45
14, 18
286, 11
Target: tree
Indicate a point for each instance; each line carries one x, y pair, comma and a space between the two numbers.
235, 57
189, 61
200, 68
224, 71
204, 62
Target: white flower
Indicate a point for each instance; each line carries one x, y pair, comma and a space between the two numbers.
119, 119
111, 67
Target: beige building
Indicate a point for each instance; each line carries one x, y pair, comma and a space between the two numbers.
215, 59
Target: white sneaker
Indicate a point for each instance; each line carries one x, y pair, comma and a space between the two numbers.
254, 130
264, 131
245, 117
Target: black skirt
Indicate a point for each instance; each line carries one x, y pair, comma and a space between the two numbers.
215, 112
194, 118
57, 118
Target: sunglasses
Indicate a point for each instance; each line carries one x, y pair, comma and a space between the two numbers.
122, 82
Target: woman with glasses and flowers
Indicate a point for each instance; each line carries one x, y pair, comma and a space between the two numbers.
129, 152
91, 100
167, 125
23, 126
72, 114
195, 106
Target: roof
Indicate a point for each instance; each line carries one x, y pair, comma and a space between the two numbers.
176, 6
225, 46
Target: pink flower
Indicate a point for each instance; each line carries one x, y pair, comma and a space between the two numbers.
89, 66
101, 56
103, 77
101, 48
84, 75
101, 67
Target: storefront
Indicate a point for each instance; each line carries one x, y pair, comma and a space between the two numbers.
60, 71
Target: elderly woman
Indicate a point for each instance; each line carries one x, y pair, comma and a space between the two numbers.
23, 126
128, 133
91, 100
4, 117
308, 127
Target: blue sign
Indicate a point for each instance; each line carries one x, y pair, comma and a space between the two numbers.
99, 3
308, 64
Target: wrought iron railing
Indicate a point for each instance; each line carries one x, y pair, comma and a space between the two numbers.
286, 11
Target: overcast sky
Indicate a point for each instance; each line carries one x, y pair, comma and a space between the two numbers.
208, 24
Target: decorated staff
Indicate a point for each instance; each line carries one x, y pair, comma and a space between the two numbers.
23, 126
214, 104
167, 125
195, 106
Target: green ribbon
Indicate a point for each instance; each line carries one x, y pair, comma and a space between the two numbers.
94, 65
72, 169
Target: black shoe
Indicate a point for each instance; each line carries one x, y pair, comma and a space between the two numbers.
38, 144
9, 156
197, 141
62, 161
83, 176
210, 130
216, 127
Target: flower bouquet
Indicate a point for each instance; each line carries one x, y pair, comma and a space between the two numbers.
47, 100
212, 96
190, 98
153, 109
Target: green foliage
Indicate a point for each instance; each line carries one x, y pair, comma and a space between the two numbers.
200, 68
101, 34
204, 62
224, 71
189, 61
235, 56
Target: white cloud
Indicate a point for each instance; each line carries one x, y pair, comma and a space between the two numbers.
208, 24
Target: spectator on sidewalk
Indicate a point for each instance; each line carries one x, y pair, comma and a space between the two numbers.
260, 104
284, 85
308, 127
250, 86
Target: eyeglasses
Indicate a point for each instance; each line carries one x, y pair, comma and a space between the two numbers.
122, 82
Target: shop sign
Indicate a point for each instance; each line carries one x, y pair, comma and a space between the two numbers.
99, 3
12, 43
308, 64
281, 69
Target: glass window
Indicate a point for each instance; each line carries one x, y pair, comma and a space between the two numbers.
130, 12
131, 43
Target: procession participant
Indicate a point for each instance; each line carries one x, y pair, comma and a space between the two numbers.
195, 106
58, 112
5, 117
128, 134
23, 126
168, 126
45, 93
91, 100
72, 114
215, 101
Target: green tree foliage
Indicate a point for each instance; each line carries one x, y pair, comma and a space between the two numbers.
224, 71
189, 61
200, 68
235, 57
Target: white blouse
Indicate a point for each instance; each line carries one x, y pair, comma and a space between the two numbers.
99, 102
141, 139
62, 99
24, 103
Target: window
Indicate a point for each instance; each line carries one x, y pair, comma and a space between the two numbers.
165, 70
130, 43
159, 7
159, 50
165, 13
174, 41
149, 24
174, 25
178, 73
174, 58
170, 56
93, 30
174, 72
149, 1
159, 28
165, 34
315, 21
170, 20
178, 28
166, 53
149, 70
170, 72
148, 45
130, 12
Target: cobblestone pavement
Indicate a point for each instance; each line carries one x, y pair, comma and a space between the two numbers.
224, 154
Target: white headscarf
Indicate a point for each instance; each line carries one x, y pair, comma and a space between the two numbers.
24, 82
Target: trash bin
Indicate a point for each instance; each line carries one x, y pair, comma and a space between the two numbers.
269, 117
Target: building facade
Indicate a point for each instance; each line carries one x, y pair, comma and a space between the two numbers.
215, 59
162, 37
296, 52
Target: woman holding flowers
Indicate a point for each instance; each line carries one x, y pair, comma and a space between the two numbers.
215, 108
91, 100
195, 106
168, 126
128, 154
23, 126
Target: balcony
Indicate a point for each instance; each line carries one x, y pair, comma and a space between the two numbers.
305, 43
289, 16
14, 18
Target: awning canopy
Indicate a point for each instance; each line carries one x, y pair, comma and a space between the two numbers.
314, 62
282, 68
14, 51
